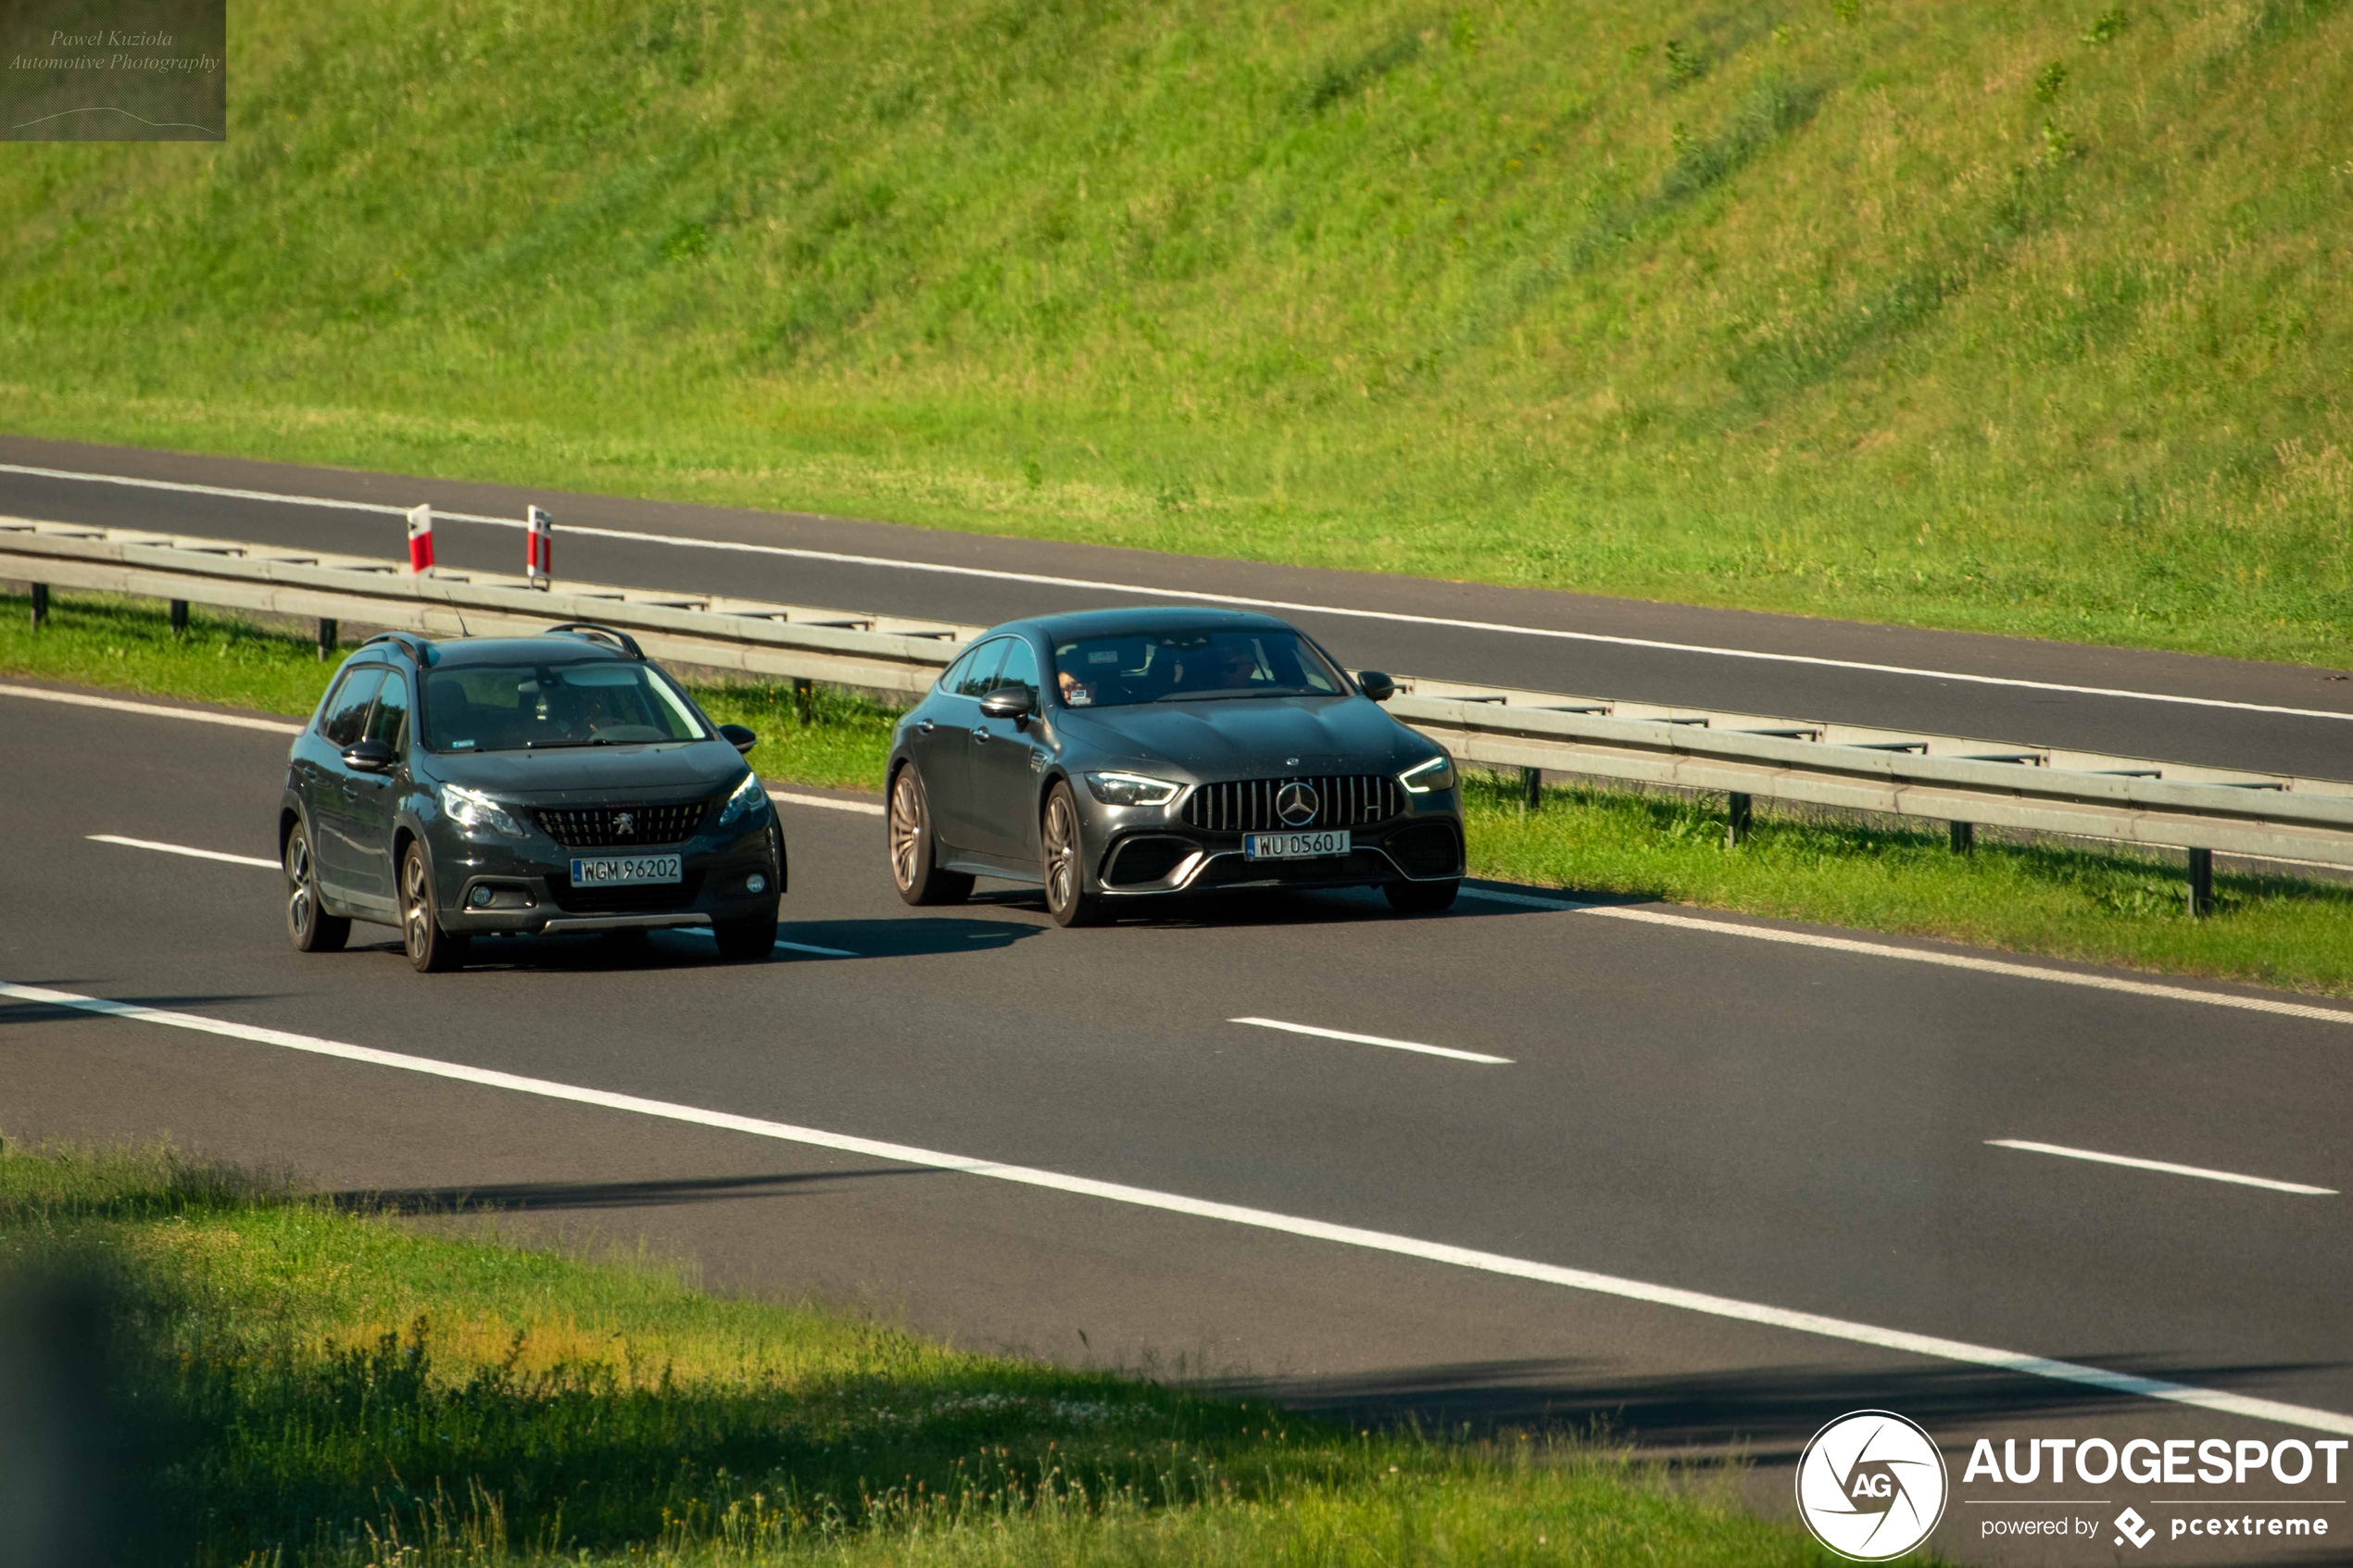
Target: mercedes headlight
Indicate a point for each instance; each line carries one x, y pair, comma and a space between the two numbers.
748, 804
1131, 789
1429, 778
474, 812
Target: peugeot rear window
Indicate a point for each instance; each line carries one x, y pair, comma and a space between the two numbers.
1187, 666
511, 707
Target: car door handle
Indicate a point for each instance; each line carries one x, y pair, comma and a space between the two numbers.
926, 726
980, 733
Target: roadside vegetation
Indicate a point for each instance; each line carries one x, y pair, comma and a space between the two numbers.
2103, 906
2016, 318
293, 1383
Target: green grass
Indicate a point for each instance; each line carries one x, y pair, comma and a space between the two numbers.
2119, 906
301, 1385
2010, 316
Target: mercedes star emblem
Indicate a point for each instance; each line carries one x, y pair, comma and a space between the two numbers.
1296, 803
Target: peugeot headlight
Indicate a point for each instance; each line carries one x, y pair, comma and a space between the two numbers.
474, 812
1131, 789
1429, 778
748, 804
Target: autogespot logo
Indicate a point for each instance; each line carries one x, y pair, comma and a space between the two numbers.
1871, 1486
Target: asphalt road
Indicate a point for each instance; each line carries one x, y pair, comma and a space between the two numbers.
1799, 1127
1456, 631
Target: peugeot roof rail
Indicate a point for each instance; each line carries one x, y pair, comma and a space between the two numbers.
620, 640
418, 647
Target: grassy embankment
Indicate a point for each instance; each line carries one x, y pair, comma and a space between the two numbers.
2010, 316
2118, 906
300, 1386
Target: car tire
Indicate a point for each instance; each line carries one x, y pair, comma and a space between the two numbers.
313, 929
430, 950
740, 941
1063, 852
915, 852
1421, 897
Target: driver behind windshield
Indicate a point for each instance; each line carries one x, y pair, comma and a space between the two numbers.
509, 708
1181, 666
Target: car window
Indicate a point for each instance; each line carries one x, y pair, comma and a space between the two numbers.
510, 707
1020, 669
1180, 665
982, 668
347, 711
389, 720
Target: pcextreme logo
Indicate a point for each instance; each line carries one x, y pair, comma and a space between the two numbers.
1871, 1486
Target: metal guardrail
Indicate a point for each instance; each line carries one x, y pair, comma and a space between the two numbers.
1908, 773
844, 647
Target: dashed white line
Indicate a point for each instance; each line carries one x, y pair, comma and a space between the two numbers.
1919, 955
1381, 1040
190, 852
154, 710
2167, 1166
1195, 595
821, 952
1902, 1340
863, 807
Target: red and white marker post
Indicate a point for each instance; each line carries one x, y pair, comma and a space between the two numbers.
540, 556
420, 540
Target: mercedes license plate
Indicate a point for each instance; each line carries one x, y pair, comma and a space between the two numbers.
624, 871
1293, 846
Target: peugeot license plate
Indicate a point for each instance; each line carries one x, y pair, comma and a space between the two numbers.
1293, 846
624, 871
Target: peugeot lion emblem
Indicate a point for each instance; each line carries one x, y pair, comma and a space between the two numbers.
1296, 804
624, 821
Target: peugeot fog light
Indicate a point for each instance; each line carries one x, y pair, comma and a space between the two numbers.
473, 811
1131, 789
1429, 778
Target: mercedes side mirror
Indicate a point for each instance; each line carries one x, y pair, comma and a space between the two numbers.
1377, 686
1008, 702
369, 757
743, 740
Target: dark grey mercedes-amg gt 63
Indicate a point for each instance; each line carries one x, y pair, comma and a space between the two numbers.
492, 786
1123, 754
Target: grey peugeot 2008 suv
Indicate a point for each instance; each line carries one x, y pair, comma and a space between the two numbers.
1115, 757
486, 786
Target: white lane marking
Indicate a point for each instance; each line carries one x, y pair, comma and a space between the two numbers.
156, 710
1147, 591
1916, 955
1374, 1040
2165, 1165
864, 807
1232, 1214
821, 952
184, 849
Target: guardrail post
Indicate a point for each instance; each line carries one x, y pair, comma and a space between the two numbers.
39, 604
2201, 882
1740, 814
180, 616
1964, 837
328, 634
1531, 789
804, 699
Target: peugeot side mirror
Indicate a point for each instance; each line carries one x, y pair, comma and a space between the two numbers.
1008, 702
743, 740
1377, 686
369, 757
